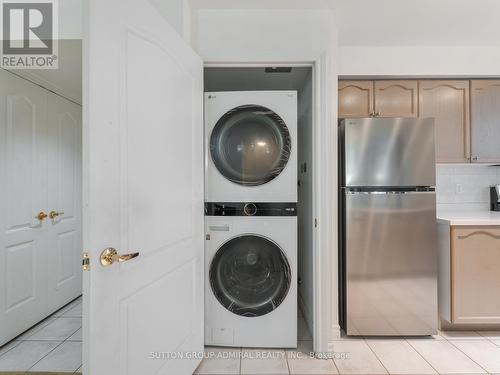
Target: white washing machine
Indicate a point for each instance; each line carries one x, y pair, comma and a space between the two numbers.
251, 146
251, 275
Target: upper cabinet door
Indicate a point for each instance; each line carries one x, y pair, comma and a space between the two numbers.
448, 103
355, 99
396, 98
485, 117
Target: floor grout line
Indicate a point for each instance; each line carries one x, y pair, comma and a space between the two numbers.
61, 342
241, 354
489, 338
461, 351
286, 360
421, 356
376, 356
18, 343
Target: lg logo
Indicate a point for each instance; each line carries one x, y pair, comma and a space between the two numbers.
29, 37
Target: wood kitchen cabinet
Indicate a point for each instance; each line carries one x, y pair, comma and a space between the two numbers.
466, 112
355, 99
396, 98
381, 98
485, 121
475, 275
448, 102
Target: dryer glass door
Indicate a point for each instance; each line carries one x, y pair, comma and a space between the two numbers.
250, 275
250, 145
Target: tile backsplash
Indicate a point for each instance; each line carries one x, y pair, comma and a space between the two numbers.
465, 187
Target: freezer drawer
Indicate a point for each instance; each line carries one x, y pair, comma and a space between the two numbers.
390, 254
388, 152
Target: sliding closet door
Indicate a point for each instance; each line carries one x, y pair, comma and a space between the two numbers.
64, 183
23, 194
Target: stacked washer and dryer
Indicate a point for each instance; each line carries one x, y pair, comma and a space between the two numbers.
251, 219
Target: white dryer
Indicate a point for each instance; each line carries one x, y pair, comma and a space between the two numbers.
251, 146
251, 275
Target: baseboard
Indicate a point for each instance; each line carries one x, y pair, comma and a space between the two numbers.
308, 314
335, 334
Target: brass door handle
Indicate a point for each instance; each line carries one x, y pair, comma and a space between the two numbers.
41, 216
110, 255
54, 214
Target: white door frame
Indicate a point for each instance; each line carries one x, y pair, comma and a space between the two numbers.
325, 283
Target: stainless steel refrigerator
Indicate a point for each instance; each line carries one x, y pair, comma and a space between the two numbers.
388, 229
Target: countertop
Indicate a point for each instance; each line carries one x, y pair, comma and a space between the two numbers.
469, 217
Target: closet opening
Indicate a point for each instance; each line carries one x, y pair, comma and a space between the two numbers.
258, 129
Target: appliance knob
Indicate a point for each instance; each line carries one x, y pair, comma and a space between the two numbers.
250, 209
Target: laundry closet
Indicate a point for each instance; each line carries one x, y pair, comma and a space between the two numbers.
259, 206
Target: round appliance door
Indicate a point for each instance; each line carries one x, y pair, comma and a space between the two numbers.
250, 145
250, 275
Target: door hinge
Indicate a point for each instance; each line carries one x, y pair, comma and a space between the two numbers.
315, 222
86, 261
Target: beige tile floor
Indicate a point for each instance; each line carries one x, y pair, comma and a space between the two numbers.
447, 353
54, 344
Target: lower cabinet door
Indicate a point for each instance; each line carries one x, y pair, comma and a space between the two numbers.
475, 273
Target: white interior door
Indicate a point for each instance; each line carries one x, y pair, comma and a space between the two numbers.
64, 200
23, 194
143, 192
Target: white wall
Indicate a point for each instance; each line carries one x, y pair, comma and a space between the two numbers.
465, 187
178, 15
419, 61
418, 37
267, 34
70, 19
262, 35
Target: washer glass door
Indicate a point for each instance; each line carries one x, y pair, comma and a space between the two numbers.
250, 145
250, 275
